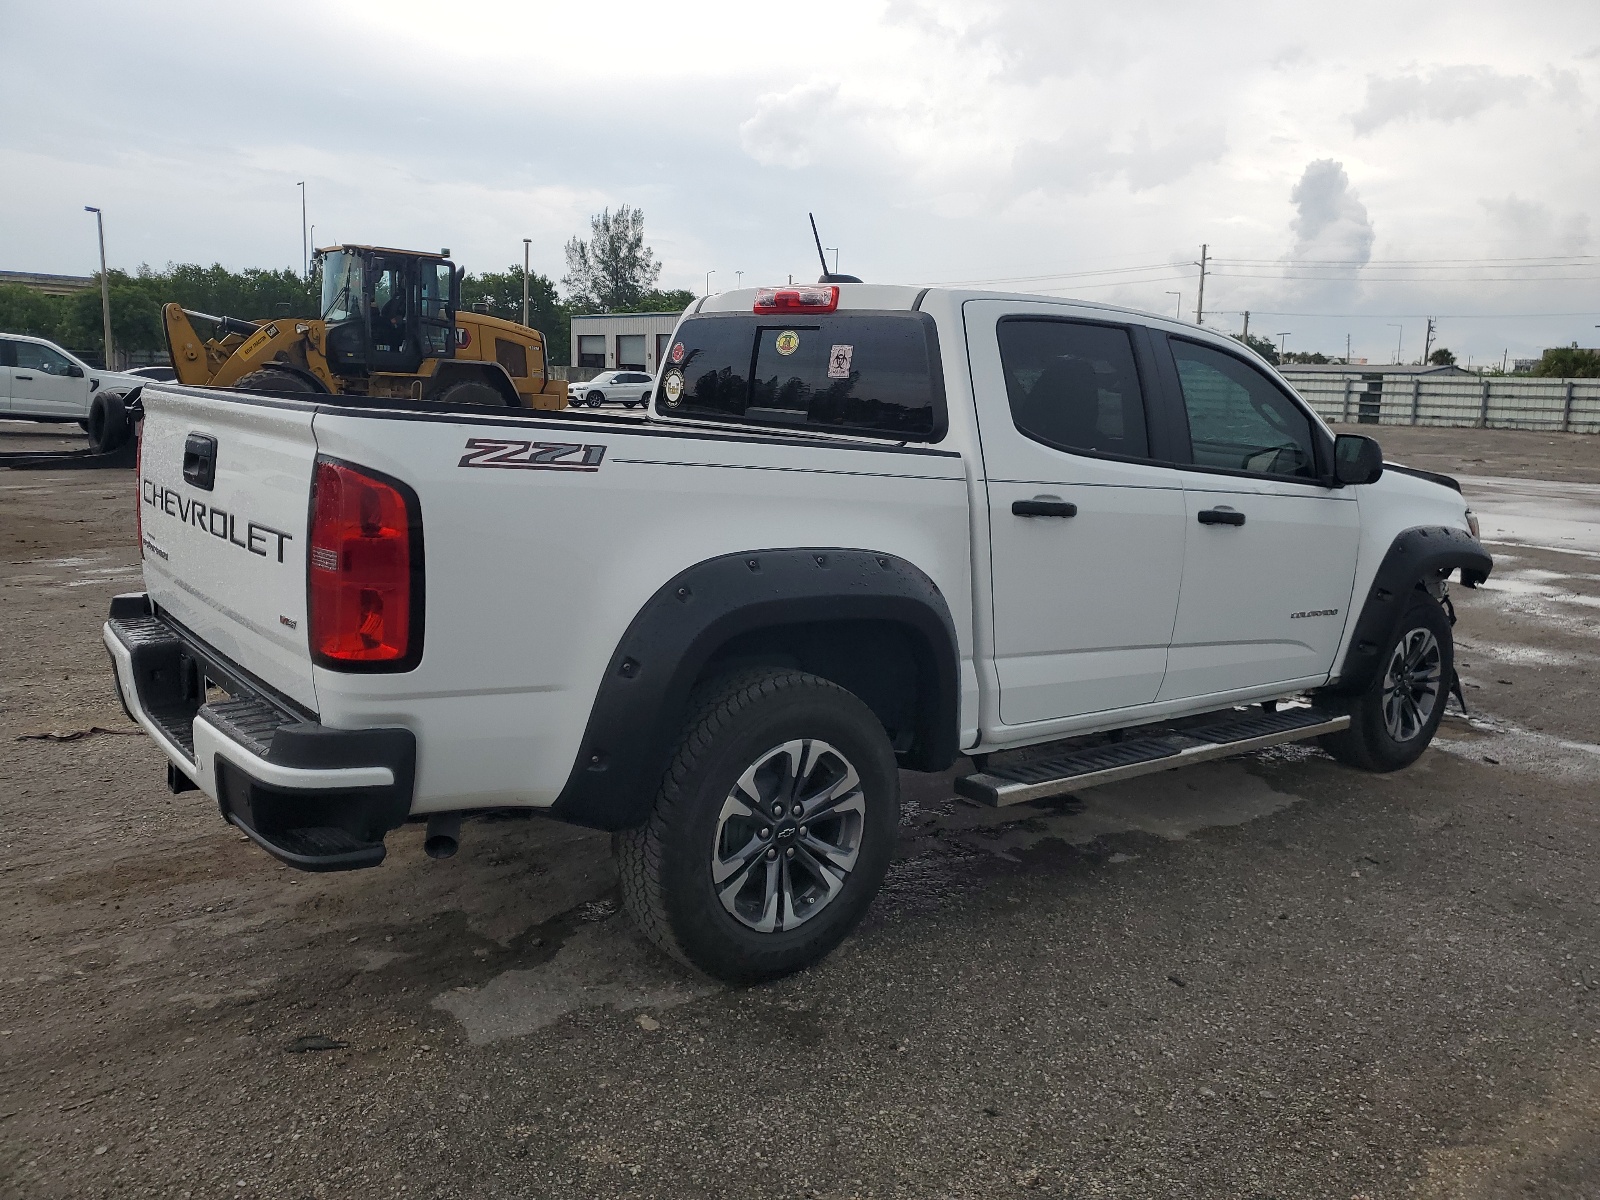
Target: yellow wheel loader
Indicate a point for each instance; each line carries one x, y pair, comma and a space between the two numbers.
391, 328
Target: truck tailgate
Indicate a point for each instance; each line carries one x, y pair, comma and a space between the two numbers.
224, 543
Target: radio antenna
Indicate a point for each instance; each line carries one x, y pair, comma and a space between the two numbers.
827, 275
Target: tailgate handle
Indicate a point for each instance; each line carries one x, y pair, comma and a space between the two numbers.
200, 461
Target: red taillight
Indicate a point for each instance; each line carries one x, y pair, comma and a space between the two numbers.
364, 567
823, 298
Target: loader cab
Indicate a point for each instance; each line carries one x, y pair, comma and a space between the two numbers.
387, 310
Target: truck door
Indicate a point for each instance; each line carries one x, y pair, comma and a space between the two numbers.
1270, 554
1086, 529
43, 385
8, 359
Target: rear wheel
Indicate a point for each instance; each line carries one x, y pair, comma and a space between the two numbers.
772, 829
1392, 722
108, 423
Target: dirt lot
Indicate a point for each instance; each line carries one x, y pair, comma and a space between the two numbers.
1265, 978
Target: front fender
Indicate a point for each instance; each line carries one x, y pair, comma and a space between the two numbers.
1417, 557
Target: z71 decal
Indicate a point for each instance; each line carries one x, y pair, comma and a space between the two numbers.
531, 456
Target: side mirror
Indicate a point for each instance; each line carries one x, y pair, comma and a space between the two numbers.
74, 371
1356, 459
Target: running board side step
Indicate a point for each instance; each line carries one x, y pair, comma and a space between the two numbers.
1020, 783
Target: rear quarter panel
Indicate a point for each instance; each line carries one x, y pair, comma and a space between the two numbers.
534, 572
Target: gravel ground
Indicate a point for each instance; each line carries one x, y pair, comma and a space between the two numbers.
1271, 977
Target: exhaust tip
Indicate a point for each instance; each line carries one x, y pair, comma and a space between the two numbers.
444, 835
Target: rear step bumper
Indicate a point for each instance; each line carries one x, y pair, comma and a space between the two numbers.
1227, 734
315, 798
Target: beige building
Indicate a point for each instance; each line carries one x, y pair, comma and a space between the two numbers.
622, 341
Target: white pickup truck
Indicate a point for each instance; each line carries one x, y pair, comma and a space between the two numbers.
861, 528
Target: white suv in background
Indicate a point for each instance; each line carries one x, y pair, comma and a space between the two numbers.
42, 382
629, 388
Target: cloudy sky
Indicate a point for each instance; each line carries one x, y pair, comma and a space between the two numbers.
1353, 167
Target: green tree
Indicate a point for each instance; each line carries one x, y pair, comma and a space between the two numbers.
1569, 362
614, 269
1442, 358
1303, 356
499, 294
1262, 346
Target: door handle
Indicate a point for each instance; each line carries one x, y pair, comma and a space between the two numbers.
27, 377
1220, 516
1043, 508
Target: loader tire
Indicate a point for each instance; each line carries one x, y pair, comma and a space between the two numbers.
273, 379
471, 391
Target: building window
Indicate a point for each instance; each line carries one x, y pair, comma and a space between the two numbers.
662, 341
630, 352
591, 350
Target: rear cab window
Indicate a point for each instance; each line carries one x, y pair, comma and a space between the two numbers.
858, 372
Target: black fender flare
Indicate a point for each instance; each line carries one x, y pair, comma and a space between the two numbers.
1418, 556
639, 709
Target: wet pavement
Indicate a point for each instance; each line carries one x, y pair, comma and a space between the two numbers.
1269, 977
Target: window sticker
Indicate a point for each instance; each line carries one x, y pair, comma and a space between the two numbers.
677, 353
839, 362
672, 387
788, 342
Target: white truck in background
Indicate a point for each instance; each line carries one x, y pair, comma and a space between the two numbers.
861, 528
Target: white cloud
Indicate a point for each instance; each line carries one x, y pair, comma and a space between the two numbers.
1454, 93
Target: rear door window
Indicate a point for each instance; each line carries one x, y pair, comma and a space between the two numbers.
860, 372
1074, 386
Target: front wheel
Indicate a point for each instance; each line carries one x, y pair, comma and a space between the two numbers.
1392, 722
596, 399
772, 829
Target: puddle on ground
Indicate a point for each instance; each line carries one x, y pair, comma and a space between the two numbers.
603, 963
1505, 744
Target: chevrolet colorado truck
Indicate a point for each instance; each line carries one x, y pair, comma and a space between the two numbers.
861, 529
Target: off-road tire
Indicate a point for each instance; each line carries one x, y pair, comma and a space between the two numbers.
665, 865
108, 425
271, 379
471, 391
1368, 743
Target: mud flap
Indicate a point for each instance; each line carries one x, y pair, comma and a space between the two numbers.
1455, 690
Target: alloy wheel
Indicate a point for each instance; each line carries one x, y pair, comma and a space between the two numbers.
788, 835
1412, 684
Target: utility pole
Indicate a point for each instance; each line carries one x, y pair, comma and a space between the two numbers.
709, 274
738, 279
527, 261
1282, 339
1399, 341
1200, 304
305, 245
1347, 349
1427, 343
1247, 324
105, 282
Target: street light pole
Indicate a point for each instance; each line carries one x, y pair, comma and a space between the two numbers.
305, 247
835, 250
1178, 315
1282, 340
105, 281
738, 279
709, 274
1399, 341
527, 261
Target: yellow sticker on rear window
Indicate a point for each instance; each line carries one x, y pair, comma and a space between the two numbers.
788, 342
